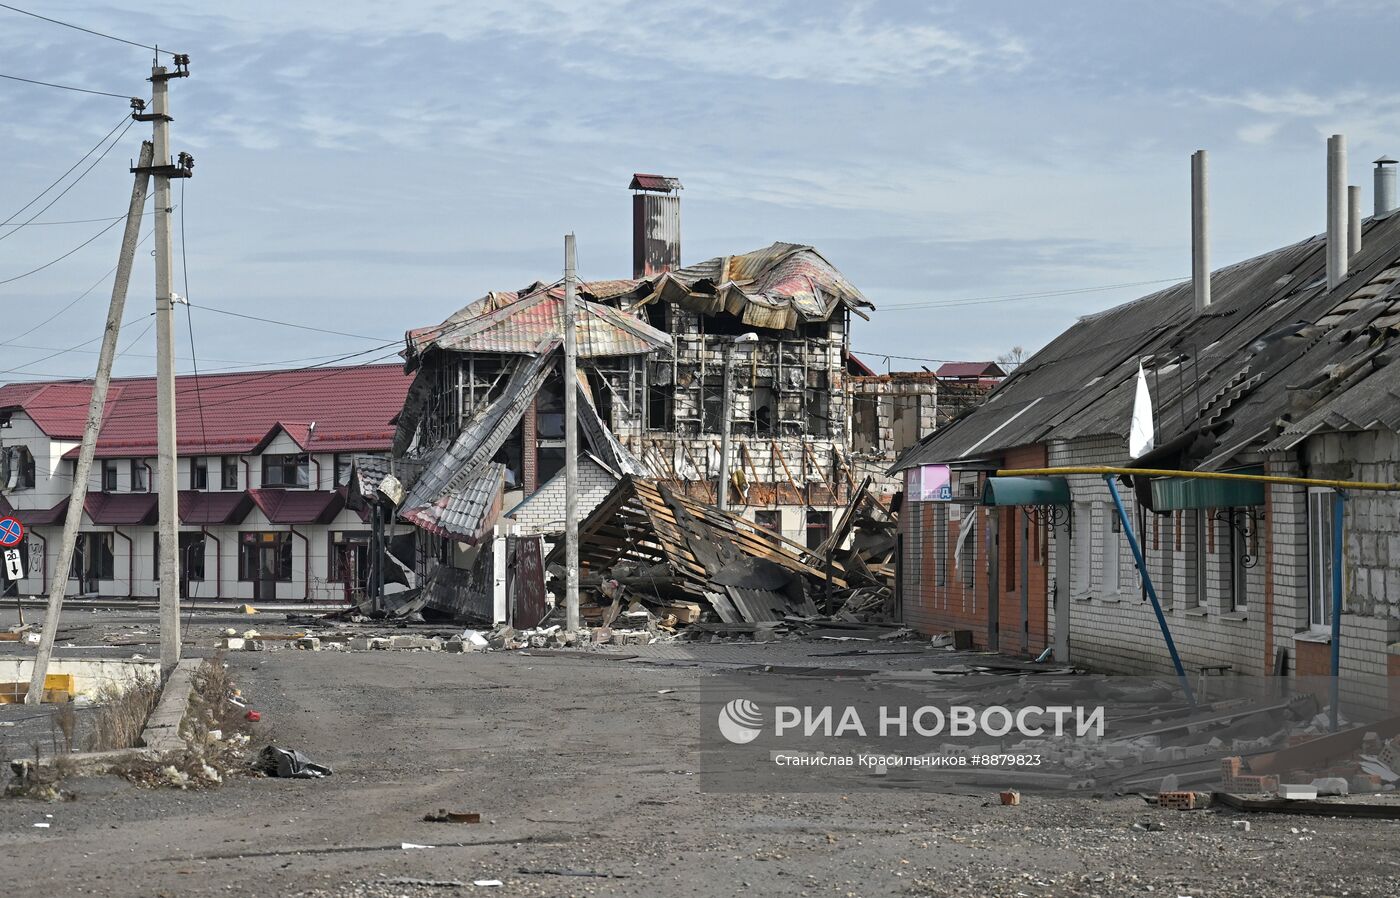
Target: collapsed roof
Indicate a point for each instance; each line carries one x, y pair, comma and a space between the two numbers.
777, 287
1275, 357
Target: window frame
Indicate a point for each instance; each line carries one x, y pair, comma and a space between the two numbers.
1320, 562
255, 540
227, 464
140, 476
300, 462
199, 473
111, 479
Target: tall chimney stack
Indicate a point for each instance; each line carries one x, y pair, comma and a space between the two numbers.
1336, 210
1200, 232
656, 224
1385, 186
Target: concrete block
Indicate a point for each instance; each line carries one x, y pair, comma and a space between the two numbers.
255, 645
309, 643
413, 642
233, 643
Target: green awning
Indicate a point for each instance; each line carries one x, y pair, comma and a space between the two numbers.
1181, 493
1025, 491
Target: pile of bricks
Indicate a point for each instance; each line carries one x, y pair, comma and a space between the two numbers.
1183, 801
1234, 779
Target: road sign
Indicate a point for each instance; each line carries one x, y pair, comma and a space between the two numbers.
11, 532
14, 565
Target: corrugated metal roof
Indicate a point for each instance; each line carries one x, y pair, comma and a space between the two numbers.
1248, 373
496, 324
654, 182
776, 287
970, 369
465, 514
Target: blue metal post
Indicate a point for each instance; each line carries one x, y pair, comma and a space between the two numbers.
1339, 509
1151, 590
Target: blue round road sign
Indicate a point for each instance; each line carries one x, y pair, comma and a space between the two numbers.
11, 532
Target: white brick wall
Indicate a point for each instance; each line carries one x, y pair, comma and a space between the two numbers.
543, 512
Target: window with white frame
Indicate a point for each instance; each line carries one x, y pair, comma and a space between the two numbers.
1322, 529
1082, 541
1112, 550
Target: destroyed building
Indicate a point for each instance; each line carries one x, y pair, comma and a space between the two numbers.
484, 418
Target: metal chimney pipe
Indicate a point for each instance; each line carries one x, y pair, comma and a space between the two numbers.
1336, 210
1200, 232
1385, 186
1353, 221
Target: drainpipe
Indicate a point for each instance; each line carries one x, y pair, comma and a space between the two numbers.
247, 474
306, 562
130, 560
150, 476
317, 463
218, 561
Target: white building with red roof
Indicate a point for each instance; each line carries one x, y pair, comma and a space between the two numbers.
264, 459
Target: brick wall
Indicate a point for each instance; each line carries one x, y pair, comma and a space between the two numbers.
949, 590
543, 512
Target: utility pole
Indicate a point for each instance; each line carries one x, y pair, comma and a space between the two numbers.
570, 438
78, 494
167, 459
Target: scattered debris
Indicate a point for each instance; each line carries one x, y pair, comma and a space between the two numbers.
446, 816
289, 763
1010, 797
561, 871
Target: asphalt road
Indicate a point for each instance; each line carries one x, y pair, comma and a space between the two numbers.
579, 764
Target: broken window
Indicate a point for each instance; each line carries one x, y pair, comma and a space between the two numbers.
140, 476
712, 401
199, 474
818, 526
769, 519
16, 468
661, 407
228, 473
265, 555
109, 476
818, 405
93, 558
291, 471
349, 557
190, 559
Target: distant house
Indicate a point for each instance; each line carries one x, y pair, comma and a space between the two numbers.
1278, 375
264, 461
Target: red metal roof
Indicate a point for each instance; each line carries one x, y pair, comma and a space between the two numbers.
351, 407
34, 517
120, 509
299, 506
199, 507
654, 182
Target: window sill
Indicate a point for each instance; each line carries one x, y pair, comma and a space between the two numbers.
1198, 612
1083, 597
1111, 598
1238, 616
1319, 637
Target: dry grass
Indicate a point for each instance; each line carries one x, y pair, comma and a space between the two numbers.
121, 715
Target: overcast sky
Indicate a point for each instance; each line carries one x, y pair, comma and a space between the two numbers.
368, 167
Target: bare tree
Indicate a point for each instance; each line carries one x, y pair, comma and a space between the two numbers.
1012, 357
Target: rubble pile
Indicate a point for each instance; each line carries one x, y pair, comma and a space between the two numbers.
656, 562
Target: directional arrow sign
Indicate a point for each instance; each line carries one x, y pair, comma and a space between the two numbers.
11, 532
14, 565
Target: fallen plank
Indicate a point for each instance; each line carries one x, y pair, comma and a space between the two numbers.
1372, 810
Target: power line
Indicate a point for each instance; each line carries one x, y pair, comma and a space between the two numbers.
304, 327
36, 224
110, 37
100, 281
53, 262
189, 318
1014, 297
59, 179
81, 90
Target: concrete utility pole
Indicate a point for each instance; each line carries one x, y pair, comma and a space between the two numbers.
726, 416
78, 494
570, 437
167, 459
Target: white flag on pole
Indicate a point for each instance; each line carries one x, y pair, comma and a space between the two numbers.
1142, 435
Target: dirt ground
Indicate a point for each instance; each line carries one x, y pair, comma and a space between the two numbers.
578, 765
